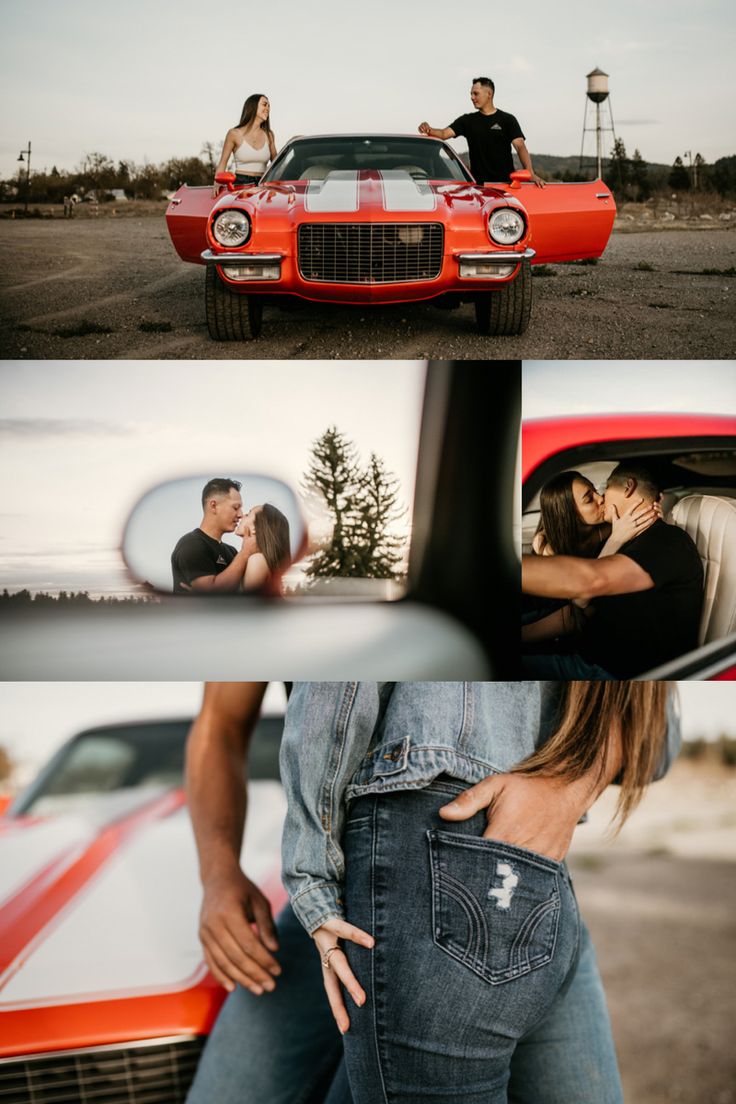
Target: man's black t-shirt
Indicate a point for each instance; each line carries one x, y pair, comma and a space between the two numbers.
489, 140
629, 634
198, 554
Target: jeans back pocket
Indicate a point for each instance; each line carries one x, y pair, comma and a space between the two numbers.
495, 907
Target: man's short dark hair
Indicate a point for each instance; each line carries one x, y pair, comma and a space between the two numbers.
486, 82
219, 487
645, 479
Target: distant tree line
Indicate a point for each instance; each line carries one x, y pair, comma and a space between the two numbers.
633, 178
100, 175
24, 598
629, 177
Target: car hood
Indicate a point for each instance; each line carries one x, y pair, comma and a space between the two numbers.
387, 195
98, 922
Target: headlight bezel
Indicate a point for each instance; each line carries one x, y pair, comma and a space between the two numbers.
235, 215
499, 214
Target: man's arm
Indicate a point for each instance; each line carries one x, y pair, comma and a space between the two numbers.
231, 578
526, 160
576, 577
216, 782
537, 812
436, 132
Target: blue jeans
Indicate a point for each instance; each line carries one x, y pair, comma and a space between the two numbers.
284, 1048
476, 941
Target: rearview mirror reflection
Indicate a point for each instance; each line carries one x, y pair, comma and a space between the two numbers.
214, 535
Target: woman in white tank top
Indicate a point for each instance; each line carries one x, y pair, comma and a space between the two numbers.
251, 143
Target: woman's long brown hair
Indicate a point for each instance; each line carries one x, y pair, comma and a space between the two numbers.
559, 520
272, 536
600, 721
248, 114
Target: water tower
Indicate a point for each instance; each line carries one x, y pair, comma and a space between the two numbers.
597, 93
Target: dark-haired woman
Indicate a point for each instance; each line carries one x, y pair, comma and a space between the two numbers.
251, 143
573, 522
427, 829
271, 530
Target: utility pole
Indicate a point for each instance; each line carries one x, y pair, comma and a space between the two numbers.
28, 171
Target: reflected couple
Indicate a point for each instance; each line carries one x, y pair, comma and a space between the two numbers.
202, 562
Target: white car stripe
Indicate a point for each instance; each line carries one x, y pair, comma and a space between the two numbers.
337, 192
401, 192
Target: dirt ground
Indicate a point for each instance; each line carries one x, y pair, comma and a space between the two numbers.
660, 902
114, 287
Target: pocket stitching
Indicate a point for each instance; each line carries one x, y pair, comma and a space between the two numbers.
526, 932
478, 932
479, 966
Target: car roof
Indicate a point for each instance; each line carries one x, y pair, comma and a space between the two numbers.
364, 134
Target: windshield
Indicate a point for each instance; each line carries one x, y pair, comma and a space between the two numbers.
316, 158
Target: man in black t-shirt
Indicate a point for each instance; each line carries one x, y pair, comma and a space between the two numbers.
201, 561
490, 134
645, 601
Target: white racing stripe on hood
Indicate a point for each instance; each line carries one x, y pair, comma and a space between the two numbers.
401, 192
25, 849
337, 192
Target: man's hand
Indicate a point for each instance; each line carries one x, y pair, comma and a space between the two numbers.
538, 180
530, 811
424, 128
233, 951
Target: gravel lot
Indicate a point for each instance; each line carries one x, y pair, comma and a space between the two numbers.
660, 902
65, 282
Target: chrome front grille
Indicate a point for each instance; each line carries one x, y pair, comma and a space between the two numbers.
370, 252
156, 1072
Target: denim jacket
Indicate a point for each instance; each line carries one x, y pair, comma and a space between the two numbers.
345, 739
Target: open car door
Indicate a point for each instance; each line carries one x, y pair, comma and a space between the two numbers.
186, 218
568, 222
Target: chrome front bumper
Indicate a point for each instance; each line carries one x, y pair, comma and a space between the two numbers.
491, 266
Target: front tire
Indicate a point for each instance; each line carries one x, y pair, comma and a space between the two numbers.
231, 316
506, 312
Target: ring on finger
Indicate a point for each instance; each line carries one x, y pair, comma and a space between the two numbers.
326, 956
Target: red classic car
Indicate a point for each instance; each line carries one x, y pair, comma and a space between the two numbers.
694, 459
381, 219
104, 995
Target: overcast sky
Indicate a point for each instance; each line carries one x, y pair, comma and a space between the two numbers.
559, 387
140, 80
36, 717
80, 442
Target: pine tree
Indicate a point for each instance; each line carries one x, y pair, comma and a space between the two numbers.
334, 475
640, 177
378, 510
618, 174
363, 506
679, 178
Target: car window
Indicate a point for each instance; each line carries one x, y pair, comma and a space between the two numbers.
316, 158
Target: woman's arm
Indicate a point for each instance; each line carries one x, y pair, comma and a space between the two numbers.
635, 521
327, 733
227, 148
272, 145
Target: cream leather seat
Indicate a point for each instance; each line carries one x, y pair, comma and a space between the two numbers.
711, 522
315, 172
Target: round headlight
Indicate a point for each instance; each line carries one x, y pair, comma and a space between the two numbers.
506, 226
231, 227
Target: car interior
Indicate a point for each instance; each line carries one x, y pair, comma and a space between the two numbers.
317, 158
699, 495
